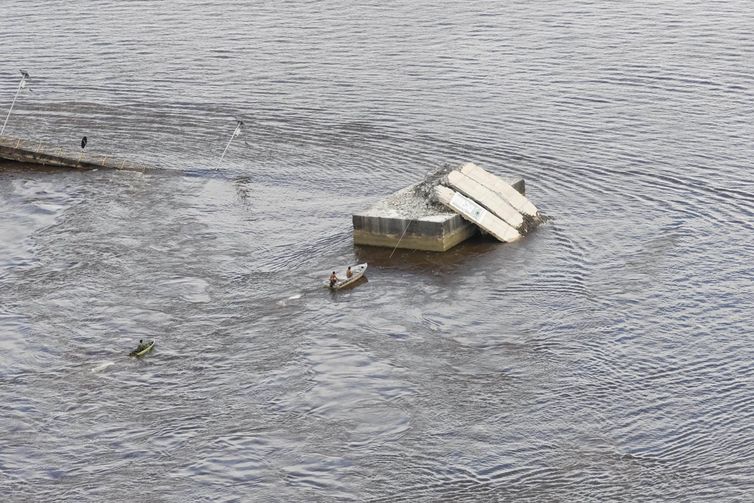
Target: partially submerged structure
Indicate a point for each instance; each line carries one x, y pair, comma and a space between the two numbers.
36, 152
446, 208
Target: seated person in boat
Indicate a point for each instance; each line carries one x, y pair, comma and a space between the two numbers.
348, 272
139, 348
333, 279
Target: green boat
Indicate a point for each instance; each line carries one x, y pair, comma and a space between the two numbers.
143, 349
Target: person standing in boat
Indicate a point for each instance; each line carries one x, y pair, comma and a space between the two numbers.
349, 273
333, 279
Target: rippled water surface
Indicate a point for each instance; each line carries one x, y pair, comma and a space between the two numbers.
608, 356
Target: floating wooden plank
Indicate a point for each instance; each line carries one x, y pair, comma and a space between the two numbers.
506, 191
470, 210
486, 197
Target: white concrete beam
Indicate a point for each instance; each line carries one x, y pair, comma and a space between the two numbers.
506, 191
473, 212
488, 198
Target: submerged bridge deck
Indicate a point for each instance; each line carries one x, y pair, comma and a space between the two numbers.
43, 154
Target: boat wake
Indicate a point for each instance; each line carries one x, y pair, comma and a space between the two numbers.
102, 366
284, 302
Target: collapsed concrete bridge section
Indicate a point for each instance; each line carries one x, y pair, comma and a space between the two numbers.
446, 208
43, 154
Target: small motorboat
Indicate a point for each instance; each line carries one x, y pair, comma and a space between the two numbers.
142, 349
357, 273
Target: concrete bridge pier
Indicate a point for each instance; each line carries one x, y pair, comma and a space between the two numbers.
405, 219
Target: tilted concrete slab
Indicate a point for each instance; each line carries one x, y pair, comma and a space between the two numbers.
486, 197
477, 214
505, 190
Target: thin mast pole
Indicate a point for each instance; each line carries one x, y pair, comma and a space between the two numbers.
13, 103
235, 133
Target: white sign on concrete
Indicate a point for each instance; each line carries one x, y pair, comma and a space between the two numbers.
467, 206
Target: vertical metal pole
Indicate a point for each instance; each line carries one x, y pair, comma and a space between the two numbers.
12, 103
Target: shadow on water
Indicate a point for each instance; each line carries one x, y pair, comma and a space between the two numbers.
13, 167
420, 261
